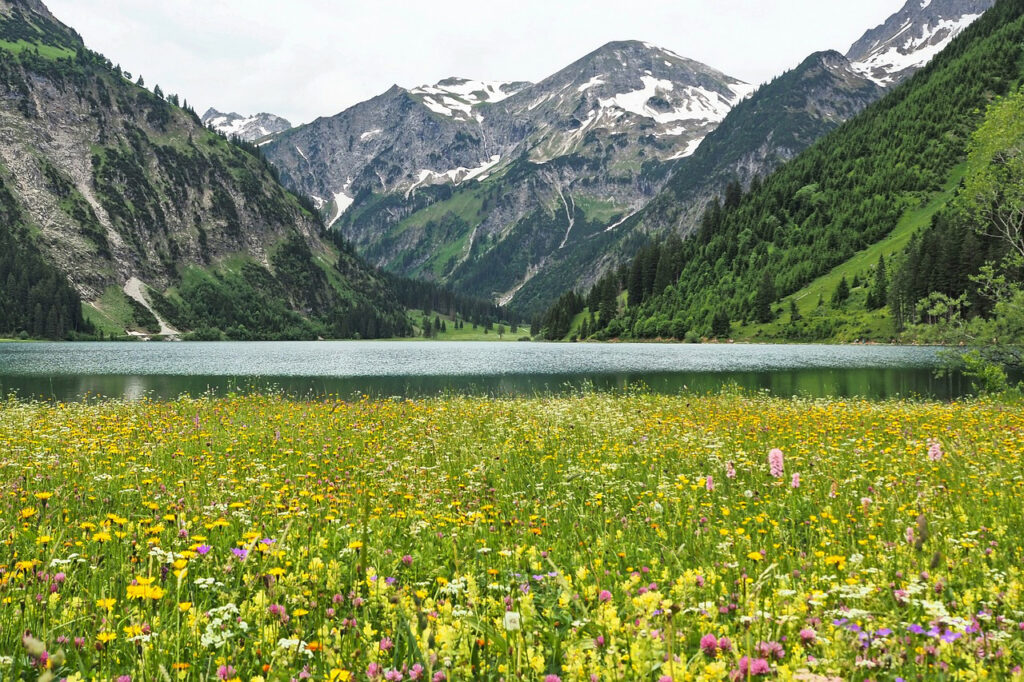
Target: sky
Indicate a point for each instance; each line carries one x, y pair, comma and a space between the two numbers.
302, 59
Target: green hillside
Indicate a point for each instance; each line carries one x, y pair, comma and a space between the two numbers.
136, 189
859, 193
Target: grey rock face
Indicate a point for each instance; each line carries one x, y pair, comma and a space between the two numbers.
120, 184
778, 122
599, 135
248, 128
910, 38
519, 191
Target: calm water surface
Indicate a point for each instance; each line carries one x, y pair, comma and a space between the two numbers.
74, 371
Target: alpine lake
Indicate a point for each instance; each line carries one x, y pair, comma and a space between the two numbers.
414, 369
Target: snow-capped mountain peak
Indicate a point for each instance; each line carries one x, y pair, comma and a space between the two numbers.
248, 128
909, 39
629, 86
457, 97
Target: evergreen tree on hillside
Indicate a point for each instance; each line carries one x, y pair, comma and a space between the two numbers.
879, 294
609, 302
721, 326
764, 299
841, 294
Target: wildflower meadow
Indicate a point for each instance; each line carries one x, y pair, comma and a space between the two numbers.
587, 537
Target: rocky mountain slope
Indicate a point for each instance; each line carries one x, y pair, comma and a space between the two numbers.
910, 38
248, 128
480, 184
781, 120
146, 213
793, 111
518, 191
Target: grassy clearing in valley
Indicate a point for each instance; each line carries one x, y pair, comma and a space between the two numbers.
596, 537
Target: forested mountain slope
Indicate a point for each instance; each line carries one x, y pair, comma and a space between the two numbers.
119, 196
844, 194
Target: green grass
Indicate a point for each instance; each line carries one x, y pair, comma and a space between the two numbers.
852, 321
45, 51
465, 204
579, 537
913, 220
599, 210
440, 259
112, 313
467, 333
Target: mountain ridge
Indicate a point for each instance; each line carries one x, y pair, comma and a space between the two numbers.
910, 38
889, 168
146, 213
249, 128
595, 134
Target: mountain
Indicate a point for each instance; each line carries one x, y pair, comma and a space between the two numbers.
459, 97
910, 38
248, 128
779, 121
869, 184
782, 119
518, 191
114, 196
482, 185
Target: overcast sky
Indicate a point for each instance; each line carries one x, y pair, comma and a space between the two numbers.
308, 58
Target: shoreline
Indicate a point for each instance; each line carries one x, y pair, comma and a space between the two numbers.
420, 339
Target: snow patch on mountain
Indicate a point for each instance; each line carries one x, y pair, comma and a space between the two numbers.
689, 150
888, 59
910, 38
455, 176
248, 128
698, 104
342, 202
457, 97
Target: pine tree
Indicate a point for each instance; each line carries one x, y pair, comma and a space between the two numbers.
733, 195
721, 326
841, 294
880, 291
636, 282
764, 298
609, 302
663, 272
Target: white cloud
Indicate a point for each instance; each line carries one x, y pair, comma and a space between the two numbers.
309, 58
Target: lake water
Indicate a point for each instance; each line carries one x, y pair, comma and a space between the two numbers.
76, 371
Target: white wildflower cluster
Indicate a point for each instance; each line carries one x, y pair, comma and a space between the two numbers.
855, 591
935, 609
163, 556
72, 559
455, 587
224, 625
208, 583
295, 646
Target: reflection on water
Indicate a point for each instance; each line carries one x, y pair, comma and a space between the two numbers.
871, 383
73, 371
